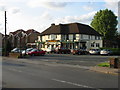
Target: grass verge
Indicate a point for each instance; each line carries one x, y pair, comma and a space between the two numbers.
105, 64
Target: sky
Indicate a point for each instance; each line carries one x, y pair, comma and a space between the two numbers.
40, 14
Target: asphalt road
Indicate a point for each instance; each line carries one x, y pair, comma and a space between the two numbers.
25, 75
83, 60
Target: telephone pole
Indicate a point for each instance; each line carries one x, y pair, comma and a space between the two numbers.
5, 42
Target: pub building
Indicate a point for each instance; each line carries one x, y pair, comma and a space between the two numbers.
70, 36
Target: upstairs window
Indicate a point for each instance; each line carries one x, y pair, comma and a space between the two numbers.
97, 45
92, 44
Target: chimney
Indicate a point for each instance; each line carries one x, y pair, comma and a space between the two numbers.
52, 24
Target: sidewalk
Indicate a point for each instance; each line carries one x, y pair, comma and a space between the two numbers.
106, 70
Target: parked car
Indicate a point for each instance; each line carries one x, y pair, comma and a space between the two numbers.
24, 52
94, 51
15, 50
36, 52
49, 50
79, 52
106, 52
62, 51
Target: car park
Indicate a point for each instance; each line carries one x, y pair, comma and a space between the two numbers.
94, 51
15, 50
49, 50
62, 51
24, 52
106, 52
36, 52
79, 52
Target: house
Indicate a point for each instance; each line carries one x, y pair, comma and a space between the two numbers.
71, 36
32, 36
1, 37
18, 38
23, 39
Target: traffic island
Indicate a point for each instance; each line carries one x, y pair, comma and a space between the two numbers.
111, 67
106, 70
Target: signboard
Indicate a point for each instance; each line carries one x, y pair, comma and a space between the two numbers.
52, 41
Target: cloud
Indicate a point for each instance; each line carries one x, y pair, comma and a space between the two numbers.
46, 16
14, 10
2, 6
112, 4
88, 8
50, 5
70, 19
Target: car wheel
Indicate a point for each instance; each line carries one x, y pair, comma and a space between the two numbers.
33, 54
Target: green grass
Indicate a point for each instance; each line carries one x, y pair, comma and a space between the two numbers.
105, 64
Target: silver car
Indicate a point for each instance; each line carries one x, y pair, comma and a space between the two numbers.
94, 51
105, 52
26, 51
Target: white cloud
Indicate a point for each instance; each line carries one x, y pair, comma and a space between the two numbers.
112, 4
88, 8
14, 10
2, 6
50, 5
46, 16
70, 19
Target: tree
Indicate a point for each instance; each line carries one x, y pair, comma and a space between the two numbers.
105, 22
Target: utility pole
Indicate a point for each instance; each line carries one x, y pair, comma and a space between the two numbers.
5, 42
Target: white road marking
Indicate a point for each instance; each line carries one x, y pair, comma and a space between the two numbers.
75, 84
15, 70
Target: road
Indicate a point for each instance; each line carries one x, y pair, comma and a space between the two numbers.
25, 75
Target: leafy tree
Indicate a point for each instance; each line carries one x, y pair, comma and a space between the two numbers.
105, 23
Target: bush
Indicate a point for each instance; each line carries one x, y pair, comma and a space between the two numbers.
106, 64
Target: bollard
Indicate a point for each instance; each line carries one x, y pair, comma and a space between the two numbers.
115, 62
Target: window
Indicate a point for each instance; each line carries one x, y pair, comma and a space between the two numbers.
81, 36
97, 45
67, 37
92, 44
95, 37
48, 36
74, 36
98, 37
89, 37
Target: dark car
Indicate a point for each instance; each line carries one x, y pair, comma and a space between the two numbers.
62, 51
79, 52
36, 52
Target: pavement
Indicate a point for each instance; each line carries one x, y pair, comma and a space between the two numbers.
106, 70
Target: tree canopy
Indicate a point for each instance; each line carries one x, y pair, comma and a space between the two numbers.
105, 22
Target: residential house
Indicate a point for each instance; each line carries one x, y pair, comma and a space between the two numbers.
72, 36
23, 39
1, 37
32, 36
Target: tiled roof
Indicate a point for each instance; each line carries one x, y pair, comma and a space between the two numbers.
27, 32
31, 31
20, 30
72, 28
